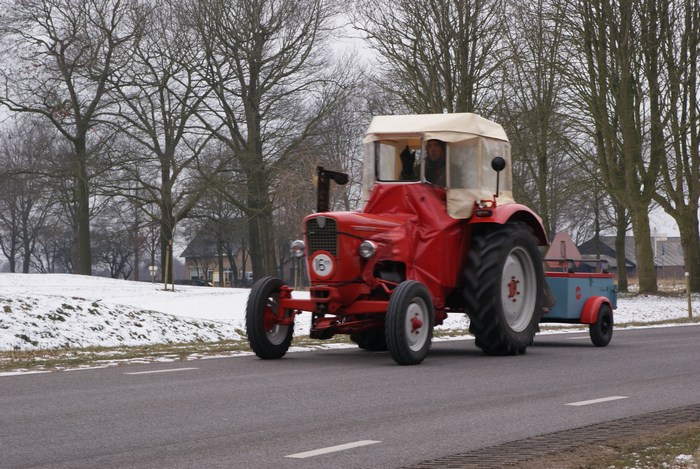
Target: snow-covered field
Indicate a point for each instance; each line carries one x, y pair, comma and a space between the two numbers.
57, 310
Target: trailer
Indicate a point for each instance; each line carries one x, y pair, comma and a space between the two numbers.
582, 297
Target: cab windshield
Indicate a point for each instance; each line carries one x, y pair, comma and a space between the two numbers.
398, 160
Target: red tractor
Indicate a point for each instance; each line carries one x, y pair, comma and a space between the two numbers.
429, 241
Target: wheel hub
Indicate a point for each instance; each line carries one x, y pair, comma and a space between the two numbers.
416, 317
416, 324
513, 289
517, 289
274, 331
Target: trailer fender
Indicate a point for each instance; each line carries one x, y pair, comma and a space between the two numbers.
589, 313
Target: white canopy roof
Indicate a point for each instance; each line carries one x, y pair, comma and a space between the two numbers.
446, 127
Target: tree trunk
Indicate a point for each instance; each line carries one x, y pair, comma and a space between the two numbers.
13, 263
167, 227
220, 258
262, 241
82, 216
643, 248
688, 227
26, 260
136, 233
166, 252
260, 226
621, 229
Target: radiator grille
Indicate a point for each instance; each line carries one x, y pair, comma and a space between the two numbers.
322, 238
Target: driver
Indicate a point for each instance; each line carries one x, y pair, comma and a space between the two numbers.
435, 162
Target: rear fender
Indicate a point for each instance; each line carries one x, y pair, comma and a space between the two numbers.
589, 312
503, 214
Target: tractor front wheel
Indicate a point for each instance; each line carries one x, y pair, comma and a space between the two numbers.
602, 329
409, 323
504, 289
266, 336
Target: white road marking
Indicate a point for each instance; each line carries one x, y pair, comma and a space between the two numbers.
577, 338
88, 368
598, 401
20, 373
160, 371
332, 449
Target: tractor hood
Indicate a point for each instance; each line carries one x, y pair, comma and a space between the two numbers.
333, 242
407, 224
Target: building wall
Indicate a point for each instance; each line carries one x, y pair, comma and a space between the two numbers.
207, 268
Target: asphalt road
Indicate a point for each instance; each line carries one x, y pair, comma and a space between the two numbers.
341, 408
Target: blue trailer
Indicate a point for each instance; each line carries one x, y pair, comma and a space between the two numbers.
581, 298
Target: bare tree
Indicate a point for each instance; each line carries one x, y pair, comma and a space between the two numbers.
113, 246
57, 57
533, 111
436, 55
26, 198
671, 40
157, 95
52, 254
593, 210
221, 221
610, 80
150, 234
271, 86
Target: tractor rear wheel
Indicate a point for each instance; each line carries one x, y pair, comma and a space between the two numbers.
602, 329
409, 323
504, 289
267, 338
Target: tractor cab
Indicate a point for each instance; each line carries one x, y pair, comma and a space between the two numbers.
397, 152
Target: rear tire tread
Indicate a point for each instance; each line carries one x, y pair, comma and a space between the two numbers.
482, 289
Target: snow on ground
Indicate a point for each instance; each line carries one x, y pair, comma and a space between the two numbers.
60, 310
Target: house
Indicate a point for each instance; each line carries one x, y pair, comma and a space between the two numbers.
668, 257
202, 259
564, 255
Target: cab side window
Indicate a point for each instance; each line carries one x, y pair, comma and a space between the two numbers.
464, 164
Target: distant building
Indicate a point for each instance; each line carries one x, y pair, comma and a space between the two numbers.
202, 260
668, 257
564, 255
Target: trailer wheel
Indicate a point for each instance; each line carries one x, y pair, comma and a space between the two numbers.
504, 289
266, 338
372, 341
602, 329
409, 323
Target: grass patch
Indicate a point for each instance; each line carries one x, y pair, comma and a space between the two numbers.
677, 447
67, 357
51, 359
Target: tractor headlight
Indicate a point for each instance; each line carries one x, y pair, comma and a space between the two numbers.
296, 249
367, 249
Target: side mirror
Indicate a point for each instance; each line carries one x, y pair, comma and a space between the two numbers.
498, 164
